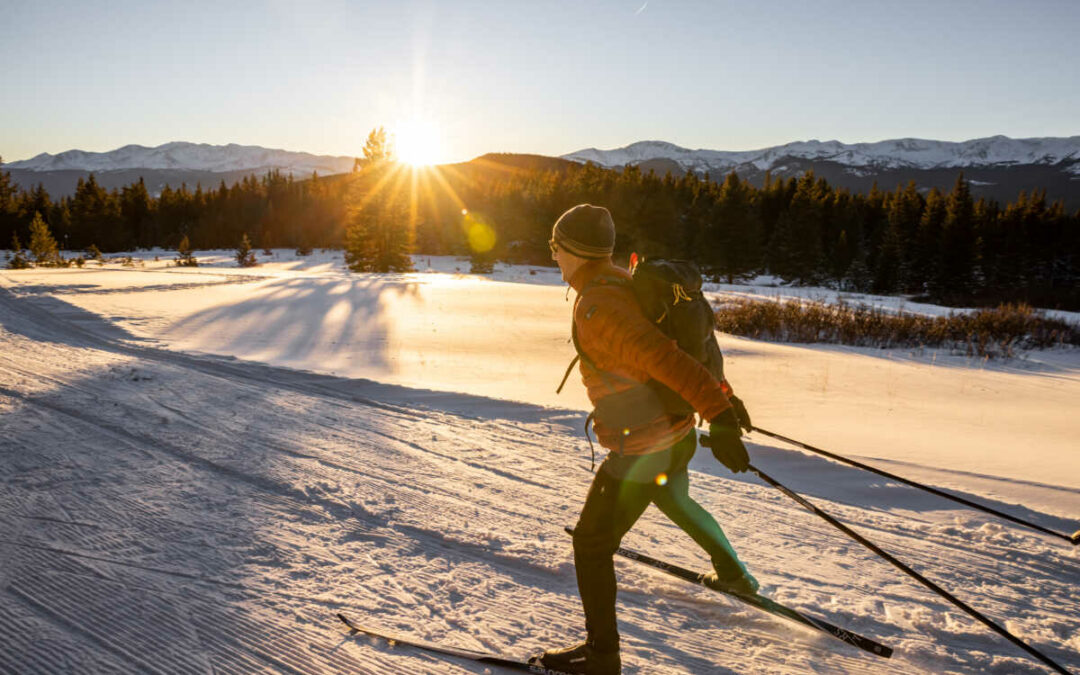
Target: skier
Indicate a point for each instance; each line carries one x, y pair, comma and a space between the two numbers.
649, 448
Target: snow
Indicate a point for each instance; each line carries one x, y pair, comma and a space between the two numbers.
889, 154
199, 466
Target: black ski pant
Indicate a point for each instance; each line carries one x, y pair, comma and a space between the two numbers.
621, 491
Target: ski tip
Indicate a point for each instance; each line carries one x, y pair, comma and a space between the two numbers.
345, 620
1075, 538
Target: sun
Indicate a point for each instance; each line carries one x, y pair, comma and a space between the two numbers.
417, 143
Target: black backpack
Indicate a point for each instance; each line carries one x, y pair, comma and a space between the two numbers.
669, 292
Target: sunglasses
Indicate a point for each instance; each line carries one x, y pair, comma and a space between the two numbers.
553, 246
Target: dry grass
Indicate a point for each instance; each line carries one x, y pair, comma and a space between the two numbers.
1000, 332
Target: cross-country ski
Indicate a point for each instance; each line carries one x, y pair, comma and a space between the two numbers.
479, 657
760, 602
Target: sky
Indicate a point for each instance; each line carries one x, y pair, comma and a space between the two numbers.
532, 76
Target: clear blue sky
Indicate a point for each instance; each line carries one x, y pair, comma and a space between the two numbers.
531, 75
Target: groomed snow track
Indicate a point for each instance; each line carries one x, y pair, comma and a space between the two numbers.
175, 513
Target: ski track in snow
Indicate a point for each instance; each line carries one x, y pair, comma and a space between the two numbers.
168, 512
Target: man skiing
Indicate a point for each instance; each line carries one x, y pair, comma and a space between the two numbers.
621, 352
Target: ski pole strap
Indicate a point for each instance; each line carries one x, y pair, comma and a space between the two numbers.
1074, 539
592, 449
805, 503
566, 375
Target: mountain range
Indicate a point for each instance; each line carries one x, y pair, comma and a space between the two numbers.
910, 153
188, 156
997, 167
168, 164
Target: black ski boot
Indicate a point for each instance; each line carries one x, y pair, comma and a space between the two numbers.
582, 658
730, 574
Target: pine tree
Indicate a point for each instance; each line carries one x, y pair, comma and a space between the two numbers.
377, 147
185, 256
18, 261
857, 278
955, 272
245, 257
42, 245
902, 219
926, 249
95, 215
37, 200
380, 236
136, 210
795, 250
733, 239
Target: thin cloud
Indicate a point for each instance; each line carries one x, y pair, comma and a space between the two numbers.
642, 8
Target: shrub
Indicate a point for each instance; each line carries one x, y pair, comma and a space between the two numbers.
18, 261
986, 332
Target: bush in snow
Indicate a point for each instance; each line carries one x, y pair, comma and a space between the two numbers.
18, 261
986, 332
481, 264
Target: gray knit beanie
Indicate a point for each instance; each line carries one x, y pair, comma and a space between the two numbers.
586, 231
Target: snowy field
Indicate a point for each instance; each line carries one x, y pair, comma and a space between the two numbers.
200, 466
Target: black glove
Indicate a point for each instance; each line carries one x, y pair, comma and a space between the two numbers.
727, 447
740, 412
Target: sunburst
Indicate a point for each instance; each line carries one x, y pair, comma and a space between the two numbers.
417, 142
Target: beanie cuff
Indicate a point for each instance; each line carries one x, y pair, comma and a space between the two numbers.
582, 250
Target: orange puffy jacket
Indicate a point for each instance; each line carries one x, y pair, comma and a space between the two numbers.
622, 351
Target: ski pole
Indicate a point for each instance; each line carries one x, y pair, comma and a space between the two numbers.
910, 572
1074, 539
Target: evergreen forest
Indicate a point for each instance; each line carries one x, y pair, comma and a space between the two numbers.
944, 247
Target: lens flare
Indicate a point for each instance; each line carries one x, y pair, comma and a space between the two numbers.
480, 235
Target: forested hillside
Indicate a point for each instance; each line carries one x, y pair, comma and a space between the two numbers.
945, 246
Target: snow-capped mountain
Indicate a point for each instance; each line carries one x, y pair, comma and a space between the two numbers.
902, 153
190, 157
997, 168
